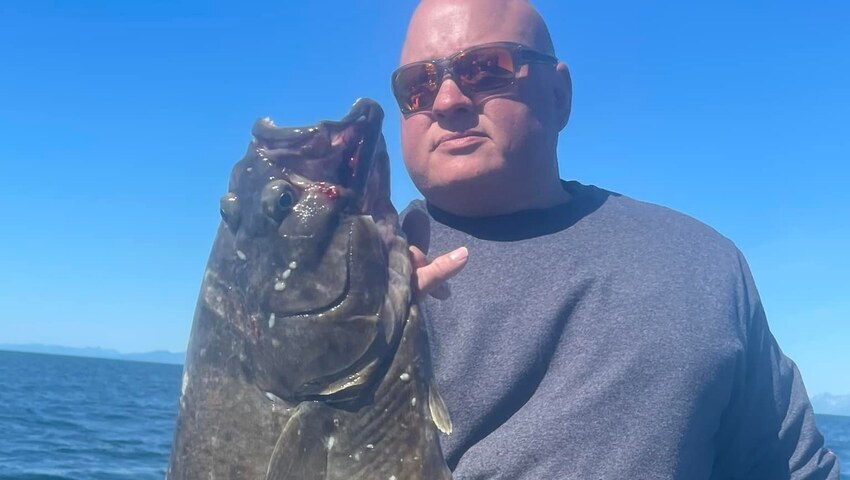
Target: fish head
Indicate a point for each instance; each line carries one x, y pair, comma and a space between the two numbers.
295, 183
309, 259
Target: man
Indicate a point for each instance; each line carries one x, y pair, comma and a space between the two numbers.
587, 335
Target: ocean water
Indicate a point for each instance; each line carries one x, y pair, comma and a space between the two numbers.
84, 418
81, 418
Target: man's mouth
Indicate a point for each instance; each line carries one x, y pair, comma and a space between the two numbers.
459, 139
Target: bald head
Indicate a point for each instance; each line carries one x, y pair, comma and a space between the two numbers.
441, 27
481, 153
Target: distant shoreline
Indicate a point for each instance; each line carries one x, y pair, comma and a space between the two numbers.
832, 415
158, 357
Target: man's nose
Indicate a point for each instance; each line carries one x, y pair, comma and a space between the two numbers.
451, 101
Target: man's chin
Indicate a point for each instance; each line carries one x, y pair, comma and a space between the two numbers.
464, 193
447, 169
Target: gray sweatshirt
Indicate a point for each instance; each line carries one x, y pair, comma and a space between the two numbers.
611, 339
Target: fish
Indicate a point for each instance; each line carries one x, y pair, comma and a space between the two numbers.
308, 358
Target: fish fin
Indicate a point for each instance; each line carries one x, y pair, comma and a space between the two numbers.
439, 412
300, 452
351, 381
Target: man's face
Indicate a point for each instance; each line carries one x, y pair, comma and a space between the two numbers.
477, 149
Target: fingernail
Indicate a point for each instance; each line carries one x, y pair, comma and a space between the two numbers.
459, 254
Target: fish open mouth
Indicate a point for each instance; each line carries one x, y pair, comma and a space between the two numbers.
357, 134
351, 140
338, 152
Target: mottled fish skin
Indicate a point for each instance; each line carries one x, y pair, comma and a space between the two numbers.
307, 359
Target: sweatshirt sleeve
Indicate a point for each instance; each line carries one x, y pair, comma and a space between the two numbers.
768, 429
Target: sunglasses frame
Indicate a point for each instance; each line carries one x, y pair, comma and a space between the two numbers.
520, 55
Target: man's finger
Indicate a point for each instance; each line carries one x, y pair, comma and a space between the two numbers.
430, 277
417, 257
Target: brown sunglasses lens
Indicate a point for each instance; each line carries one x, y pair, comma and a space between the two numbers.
416, 87
479, 70
484, 69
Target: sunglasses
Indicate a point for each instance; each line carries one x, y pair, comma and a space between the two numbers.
479, 69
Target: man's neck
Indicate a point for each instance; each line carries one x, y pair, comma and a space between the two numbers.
503, 202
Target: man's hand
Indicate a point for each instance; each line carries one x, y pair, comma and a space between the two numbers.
429, 277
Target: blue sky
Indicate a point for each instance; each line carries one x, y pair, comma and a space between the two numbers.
120, 121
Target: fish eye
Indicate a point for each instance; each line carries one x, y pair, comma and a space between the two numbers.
286, 200
277, 199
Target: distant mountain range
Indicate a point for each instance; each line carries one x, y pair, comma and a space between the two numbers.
827, 403
159, 356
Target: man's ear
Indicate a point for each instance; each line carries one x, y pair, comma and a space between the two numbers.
563, 95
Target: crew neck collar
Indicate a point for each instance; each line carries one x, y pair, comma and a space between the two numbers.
530, 223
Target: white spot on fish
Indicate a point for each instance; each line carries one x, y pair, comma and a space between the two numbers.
213, 298
293, 265
336, 422
249, 169
413, 402
275, 343
286, 273
185, 383
331, 441
273, 397
241, 255
357, 457
271, 320
370, 446
404, 377
392, 477
279, 286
